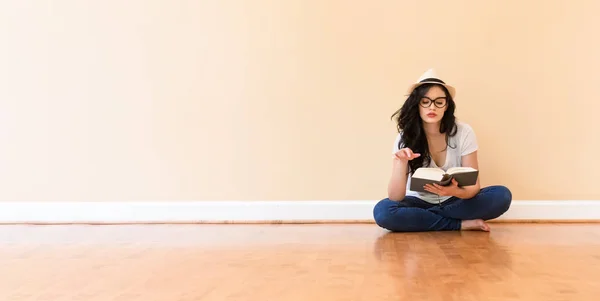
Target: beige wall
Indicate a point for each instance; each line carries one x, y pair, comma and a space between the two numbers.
273, 100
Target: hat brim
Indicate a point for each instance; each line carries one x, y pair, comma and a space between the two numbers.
450, 88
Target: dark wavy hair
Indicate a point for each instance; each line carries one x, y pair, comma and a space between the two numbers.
410, 125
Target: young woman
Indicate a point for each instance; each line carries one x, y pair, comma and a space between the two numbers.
430, 136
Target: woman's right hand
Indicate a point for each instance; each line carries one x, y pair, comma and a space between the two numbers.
406, 154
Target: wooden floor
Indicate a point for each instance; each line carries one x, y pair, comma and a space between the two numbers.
298, 262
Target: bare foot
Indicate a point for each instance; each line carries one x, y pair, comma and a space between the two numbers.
474, 224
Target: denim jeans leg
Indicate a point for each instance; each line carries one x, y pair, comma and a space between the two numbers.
491, 202
411, 215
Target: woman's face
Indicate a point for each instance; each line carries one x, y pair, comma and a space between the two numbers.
433, 105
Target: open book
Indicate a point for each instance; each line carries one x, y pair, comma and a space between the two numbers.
465, 176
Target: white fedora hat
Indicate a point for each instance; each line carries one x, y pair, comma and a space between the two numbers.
430, 77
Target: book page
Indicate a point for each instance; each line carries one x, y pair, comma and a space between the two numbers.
454, 170
435, 174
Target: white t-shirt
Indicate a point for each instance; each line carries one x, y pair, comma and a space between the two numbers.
464, 143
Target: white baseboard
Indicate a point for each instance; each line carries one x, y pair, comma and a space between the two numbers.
256, 211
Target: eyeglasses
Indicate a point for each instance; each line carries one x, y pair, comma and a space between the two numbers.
426, 102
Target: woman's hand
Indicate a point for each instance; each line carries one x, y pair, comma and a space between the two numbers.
450, 190
406, 154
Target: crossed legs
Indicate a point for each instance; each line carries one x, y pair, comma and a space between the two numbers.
413, 214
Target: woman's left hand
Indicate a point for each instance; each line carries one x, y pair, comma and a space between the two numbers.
450, 190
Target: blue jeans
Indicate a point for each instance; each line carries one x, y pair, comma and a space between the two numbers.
414, 215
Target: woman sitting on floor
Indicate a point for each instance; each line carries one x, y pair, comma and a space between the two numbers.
430, 136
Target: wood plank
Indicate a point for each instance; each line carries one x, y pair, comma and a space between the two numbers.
298, 262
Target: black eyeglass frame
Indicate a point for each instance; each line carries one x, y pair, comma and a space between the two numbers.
432, 101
